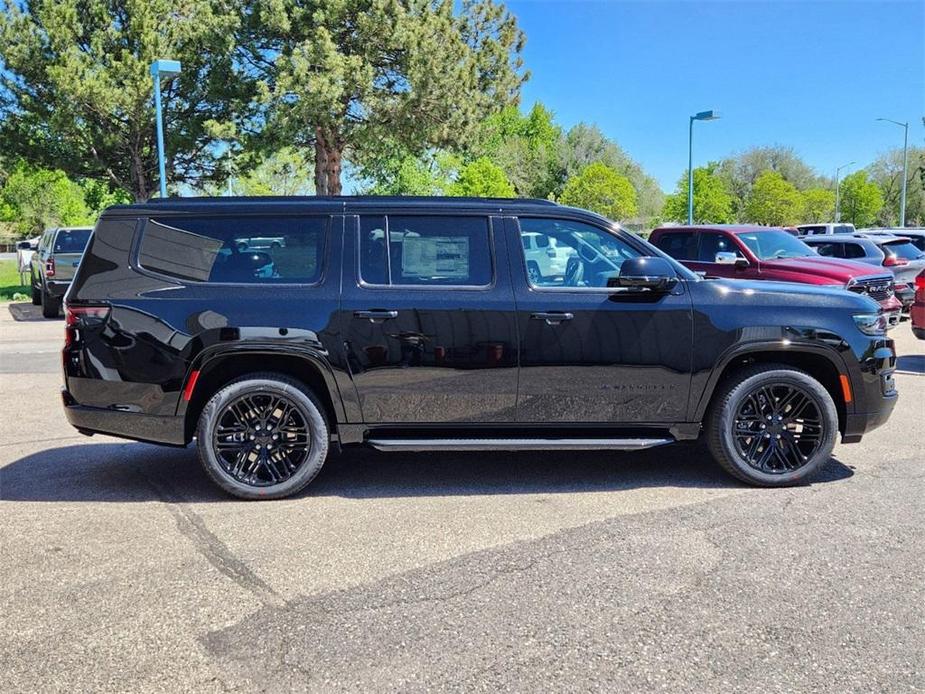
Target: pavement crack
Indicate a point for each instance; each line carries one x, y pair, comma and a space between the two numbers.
191, 525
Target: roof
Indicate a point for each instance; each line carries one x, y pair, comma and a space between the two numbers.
731, 228
859, 236
329, 203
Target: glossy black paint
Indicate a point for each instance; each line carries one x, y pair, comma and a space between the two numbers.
438, 358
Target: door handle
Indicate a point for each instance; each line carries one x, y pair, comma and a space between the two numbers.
376, 315
553, 317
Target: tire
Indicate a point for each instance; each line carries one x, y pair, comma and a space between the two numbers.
785, 451
36, 294
264, 480
534, 274
51, 306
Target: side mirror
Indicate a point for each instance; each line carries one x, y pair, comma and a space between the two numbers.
645, 274
727, 258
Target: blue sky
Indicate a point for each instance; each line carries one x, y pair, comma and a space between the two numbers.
811, 75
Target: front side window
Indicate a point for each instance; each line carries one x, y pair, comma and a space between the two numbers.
250, 250
774, 244
829, 250
578, 254
425, 251
712, 242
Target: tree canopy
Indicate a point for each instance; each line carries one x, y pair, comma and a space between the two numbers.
32, 200
712, 202
818, 205
77, 93
482, 178
366, 77
773, 201
599, 188
861, 199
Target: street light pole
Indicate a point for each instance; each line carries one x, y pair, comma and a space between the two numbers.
838, 188
902, 199
703, 115
167, 68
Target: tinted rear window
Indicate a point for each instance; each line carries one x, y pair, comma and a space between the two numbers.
681, 245
71, 240
251, 250
425, 250
902, 249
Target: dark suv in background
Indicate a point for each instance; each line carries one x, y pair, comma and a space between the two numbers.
53, 265
414, 324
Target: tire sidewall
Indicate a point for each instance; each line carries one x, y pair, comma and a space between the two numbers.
308, 408
827, 412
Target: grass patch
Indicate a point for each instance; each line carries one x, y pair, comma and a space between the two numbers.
9, 282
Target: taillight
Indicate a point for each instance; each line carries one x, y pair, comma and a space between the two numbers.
78, 317
893, 261
50, 267
920, 281
551, 252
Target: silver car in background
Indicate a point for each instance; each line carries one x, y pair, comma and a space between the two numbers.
896, 253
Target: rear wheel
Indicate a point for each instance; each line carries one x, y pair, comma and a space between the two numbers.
772, 425
533, 273
51, 306
36, 294
263, 436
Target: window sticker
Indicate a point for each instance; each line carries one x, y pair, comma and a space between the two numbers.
435, 256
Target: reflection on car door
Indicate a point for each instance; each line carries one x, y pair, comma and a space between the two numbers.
428, 319
589, 354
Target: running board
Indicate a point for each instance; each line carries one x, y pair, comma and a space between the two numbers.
508, 444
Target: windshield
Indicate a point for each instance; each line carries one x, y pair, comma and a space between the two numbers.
773, 244
903, 249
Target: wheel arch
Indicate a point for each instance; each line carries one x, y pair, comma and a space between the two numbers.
215, 370
825, 365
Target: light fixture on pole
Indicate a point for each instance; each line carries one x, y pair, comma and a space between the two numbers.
902, 199
166, 69
837, 190
703, 115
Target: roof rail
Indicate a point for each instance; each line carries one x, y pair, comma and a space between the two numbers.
345, 199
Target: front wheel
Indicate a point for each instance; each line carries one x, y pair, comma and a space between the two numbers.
772, 426
263, 436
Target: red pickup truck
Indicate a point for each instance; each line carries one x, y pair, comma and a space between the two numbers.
749, 252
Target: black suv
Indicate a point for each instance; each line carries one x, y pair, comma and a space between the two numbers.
412, 324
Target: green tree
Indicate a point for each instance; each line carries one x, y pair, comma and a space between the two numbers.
283, 172
482, 178
773, 201
599, 188
818, 205
740, 172
77, 94
33, 199
585, 144
364, 77
431, 173
861, 199
887, 173
712, 202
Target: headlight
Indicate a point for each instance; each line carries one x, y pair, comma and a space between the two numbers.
871, 323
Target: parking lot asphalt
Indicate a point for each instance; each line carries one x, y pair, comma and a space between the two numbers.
123, 569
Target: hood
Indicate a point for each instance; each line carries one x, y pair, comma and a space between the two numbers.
835, 269
762, 292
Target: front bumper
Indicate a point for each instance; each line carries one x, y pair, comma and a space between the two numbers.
874, 393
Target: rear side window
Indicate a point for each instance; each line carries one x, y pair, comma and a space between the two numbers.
425, 251
249, 250
681, 245
830, 250
71, 240
854, 250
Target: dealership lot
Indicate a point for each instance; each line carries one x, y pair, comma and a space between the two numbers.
122, 568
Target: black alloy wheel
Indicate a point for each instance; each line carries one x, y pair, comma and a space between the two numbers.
771, 425
261, 439
263, 436
778, 428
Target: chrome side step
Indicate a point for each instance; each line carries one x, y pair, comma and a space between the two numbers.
510, 444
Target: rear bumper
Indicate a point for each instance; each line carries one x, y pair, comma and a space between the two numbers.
57, 288
167, 430
906, 295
